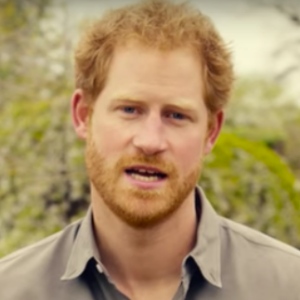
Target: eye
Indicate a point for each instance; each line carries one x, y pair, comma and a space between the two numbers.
176, 116
129, 109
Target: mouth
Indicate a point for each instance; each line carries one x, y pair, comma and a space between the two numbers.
145, 173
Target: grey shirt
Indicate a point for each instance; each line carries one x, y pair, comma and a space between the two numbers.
228, 262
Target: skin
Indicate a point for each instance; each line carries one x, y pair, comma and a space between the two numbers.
151, 112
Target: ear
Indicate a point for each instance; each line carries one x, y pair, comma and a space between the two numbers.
214, 131
80, 113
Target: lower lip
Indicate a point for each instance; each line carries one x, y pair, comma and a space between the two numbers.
145, 184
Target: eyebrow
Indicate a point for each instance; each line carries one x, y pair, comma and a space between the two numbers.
124, 98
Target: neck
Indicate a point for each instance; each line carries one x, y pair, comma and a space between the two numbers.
139, 256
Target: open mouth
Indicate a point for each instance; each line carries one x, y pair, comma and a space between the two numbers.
145, 174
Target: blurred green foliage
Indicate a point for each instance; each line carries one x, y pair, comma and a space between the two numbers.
252, 176
248, 182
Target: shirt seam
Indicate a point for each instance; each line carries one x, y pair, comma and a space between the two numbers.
30, 248
39, 244
229, 228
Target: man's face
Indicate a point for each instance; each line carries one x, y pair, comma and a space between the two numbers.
148, 134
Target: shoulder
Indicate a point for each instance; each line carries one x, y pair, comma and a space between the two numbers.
256, 260
22, 270
41, 250
253, 240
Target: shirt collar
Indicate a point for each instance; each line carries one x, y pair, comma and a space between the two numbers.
206, 253
83, 249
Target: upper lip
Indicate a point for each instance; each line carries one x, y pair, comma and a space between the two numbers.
148, 168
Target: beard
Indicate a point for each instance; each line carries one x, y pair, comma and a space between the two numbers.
138, 207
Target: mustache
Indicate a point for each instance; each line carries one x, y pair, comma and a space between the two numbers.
126, 161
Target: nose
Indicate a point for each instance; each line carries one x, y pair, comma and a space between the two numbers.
150, 137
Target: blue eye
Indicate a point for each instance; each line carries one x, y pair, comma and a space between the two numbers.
129, 109
177, 116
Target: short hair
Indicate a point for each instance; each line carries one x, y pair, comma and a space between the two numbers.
158, 24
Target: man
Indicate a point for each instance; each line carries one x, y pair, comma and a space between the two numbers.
152, 80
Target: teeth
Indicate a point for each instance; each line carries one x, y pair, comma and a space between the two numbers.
144, 178
146, 171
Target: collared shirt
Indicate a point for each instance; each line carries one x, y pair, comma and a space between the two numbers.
229, 262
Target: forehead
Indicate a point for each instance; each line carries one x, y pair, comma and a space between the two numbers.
141, 71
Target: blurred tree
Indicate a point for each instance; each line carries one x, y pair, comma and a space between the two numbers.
260, 118
41, 175
271, 117
18, 30
290, 47
249, 183
287, 54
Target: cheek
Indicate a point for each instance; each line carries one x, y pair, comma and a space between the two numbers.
109, 139
189, 154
